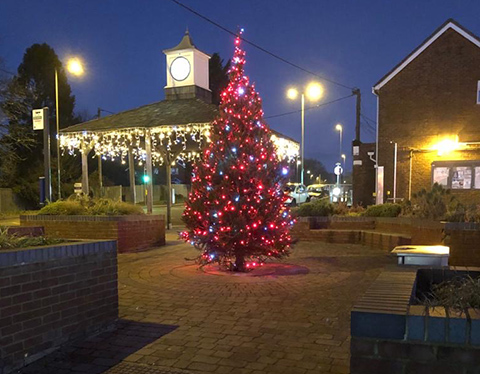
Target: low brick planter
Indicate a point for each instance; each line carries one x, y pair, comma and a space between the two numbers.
464, 242
52, 295
135, 232
390, 334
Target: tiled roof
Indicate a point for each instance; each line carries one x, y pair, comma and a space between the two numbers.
162, 113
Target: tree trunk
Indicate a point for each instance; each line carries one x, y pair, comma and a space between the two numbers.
239, 263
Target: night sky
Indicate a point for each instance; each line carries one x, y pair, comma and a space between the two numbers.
352, 42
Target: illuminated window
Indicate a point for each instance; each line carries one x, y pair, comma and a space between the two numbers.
461, 178
440, 175
477, 178
457, 175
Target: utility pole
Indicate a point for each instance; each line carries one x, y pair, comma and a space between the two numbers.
100, 173
356, 92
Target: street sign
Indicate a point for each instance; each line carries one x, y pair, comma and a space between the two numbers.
39, 116
338, 170
77, 188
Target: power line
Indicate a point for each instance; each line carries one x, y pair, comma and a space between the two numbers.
367, 118
312, 107
370, 126
259, 47
8, 72
369, 130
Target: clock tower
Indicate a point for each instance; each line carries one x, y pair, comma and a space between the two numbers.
187, 72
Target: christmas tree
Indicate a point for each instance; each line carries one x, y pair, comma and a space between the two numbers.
235, 213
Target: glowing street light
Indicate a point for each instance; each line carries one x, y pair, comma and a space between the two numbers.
292, 93
314, 91
75, 67
446, 146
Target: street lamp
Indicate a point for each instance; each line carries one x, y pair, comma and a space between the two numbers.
75, 67
339, 128
314, 92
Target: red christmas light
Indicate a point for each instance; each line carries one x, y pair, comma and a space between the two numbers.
236, 212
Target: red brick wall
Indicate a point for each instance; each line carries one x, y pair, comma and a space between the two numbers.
131, 232
49, 296
134, 235
464, 247
432, 97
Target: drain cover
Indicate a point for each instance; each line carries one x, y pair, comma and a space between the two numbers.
130, 368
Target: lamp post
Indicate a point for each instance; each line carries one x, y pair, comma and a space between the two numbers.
339, 128
75, 67
344, 157
313, 91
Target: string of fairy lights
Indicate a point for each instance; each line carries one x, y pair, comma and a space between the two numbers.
235, 214
183, 142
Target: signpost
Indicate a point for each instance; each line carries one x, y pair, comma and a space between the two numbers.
77, 188
40, 122
338, 170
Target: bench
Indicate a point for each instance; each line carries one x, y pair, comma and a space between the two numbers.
426, 255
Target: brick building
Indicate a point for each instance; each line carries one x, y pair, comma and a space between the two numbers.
429, 118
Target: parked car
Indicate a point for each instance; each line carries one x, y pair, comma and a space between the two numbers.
297, 194
318, 191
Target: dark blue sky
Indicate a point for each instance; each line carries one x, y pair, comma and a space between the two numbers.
353, 42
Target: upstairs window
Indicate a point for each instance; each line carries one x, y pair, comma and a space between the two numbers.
478, 92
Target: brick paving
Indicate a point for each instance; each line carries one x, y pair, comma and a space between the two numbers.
175, 318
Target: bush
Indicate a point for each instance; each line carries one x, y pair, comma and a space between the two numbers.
430, 204
8, 241
437, 204
458, 294
383, 210
107, 207
63, 208
316, 208
86, 206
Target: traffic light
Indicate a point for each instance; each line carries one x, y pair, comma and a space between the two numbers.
146, 178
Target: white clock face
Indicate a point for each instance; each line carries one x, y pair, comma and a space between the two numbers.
180, 69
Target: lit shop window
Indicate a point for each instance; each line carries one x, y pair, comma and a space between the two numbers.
440, 175
457, 175
477, 178
461, 178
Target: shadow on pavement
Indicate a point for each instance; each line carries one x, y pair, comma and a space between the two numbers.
98, 354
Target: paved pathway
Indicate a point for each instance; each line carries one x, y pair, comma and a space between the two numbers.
178, 319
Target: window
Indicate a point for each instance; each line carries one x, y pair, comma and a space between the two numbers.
457, 175
477, 178
440, 175
461, 178
478, 92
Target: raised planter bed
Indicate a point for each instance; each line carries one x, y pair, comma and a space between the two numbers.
51, 295
134, 232
391, 333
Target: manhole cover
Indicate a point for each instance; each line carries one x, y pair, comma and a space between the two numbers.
130, 368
